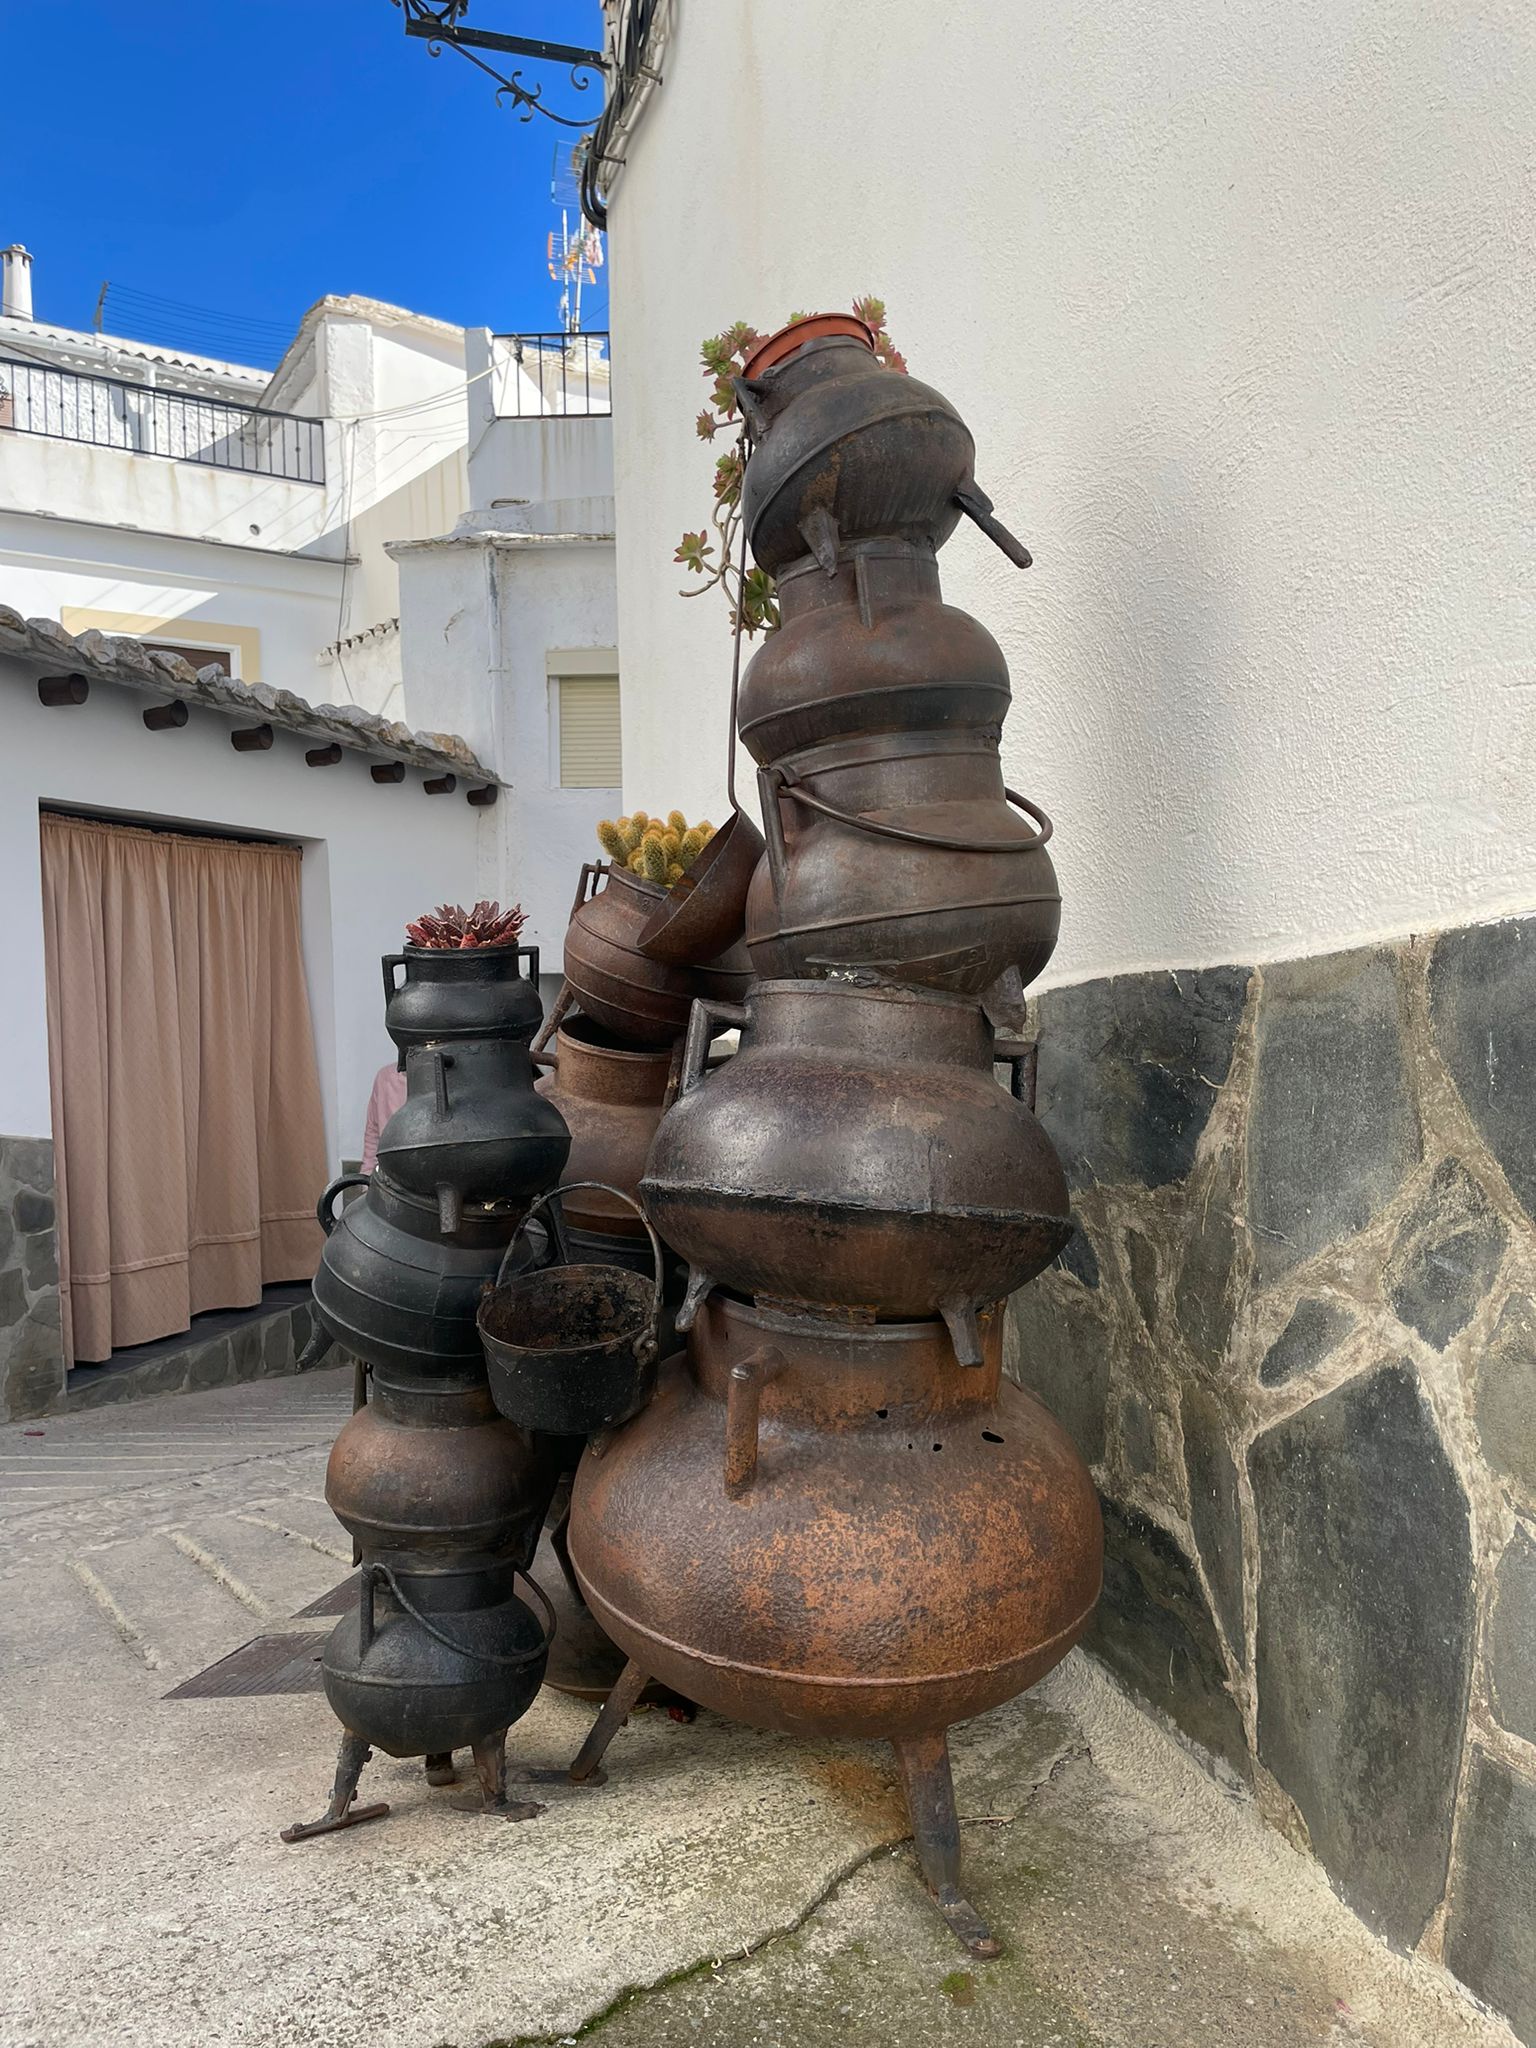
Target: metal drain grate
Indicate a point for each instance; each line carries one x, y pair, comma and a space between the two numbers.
270, 1664
340, 1599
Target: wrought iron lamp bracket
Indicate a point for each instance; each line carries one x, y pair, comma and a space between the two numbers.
440, 24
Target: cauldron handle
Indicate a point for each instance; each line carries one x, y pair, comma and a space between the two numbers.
551, 1024
1023, 1056
770, 783
652, 1337
325, 1214
390, 962
704, 1021
589, 869
785, 784
530, 953
743, 1402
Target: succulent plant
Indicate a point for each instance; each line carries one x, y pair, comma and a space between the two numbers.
452, 928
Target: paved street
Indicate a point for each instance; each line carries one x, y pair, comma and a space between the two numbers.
724, 1887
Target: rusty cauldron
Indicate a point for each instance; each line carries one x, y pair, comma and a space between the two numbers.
394, 1291
840, 1533
611, 1096
444, 994
641, 1001
857, 1154
844, 448
903, 853
870, 648
472, 1128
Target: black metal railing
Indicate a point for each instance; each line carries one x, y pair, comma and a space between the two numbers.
539, 374
104, 412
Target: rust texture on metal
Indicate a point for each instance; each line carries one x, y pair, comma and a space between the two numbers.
918, 1542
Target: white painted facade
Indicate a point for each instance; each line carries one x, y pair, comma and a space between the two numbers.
1237, 304
494, 614
198, 555
374, 855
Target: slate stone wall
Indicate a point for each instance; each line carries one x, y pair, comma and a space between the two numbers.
1296, 1336
31, 1347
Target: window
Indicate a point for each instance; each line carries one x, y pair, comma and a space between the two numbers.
200, 657
590, 753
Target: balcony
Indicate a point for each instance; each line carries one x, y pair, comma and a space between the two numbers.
538, 376
105, 412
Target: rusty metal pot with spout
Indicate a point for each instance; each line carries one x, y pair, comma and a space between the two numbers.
857, 1154
473, 1128
844, 448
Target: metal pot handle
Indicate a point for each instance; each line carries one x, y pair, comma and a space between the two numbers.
325, 1211
551, 1024
589, 869
520, 1661
705, 1019
648, 1343
530, 953
769, 783
389, 963
1023, 1056
787, 785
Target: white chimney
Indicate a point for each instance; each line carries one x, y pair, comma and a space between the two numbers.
16, 282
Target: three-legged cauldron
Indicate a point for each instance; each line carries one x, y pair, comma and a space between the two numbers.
837, 1530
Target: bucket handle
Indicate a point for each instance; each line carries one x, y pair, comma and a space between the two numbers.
647, 1343
373, 1572
325, 1208
781, 782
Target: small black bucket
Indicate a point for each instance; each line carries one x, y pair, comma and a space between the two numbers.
572, 1349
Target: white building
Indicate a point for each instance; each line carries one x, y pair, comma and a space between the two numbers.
235, 513
508, 621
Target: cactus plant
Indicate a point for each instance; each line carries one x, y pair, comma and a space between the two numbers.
654, 856
612, 840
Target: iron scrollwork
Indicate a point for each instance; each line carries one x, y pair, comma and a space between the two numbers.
441, 25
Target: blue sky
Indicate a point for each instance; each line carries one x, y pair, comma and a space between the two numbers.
247, 156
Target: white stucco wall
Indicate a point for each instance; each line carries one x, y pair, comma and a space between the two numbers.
1237, 301
480, 613
58, 569
374, 855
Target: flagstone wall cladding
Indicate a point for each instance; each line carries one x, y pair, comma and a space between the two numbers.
1296, 1337
31, 1347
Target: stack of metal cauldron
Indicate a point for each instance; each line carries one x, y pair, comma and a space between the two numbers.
835, 1516
443, 1498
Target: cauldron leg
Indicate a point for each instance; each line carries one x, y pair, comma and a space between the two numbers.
441, 1769
341, 1813
924, 1762
490, 1754
629, 1685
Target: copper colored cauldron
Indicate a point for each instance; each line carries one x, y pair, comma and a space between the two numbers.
870, 648
641, 1001
857, 1154
611, 1096
902, 853
841, 1533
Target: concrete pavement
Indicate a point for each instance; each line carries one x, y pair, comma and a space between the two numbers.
724, 1887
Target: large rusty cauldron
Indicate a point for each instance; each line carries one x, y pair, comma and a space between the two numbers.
639, 1000
857, 1154
834, 1517
842, 1532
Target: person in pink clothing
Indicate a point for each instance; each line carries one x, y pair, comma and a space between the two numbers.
387, 1096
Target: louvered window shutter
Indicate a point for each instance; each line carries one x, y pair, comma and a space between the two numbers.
589, 733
